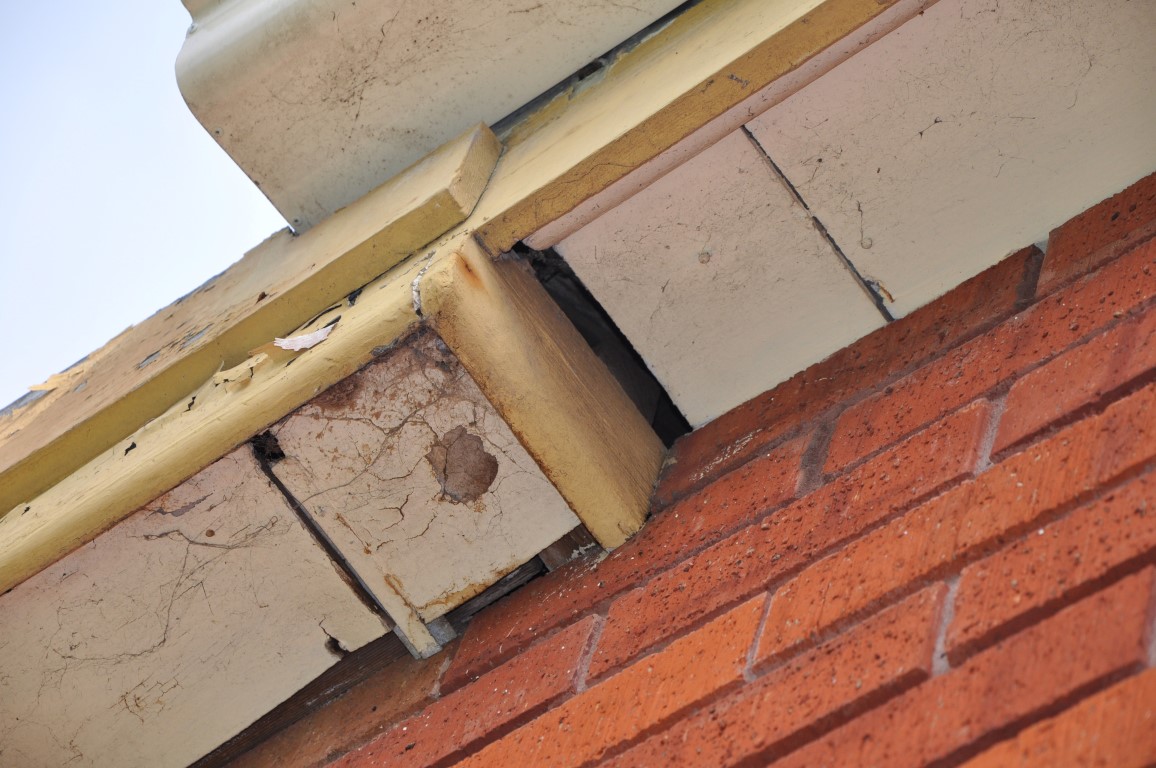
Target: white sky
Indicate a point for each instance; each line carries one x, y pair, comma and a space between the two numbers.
113, 200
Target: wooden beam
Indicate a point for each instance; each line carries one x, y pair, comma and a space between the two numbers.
707, 61
742, 113
273, 289
557, 396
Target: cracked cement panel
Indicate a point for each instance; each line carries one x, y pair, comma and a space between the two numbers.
971, 132
720, 281
319, 101
173, 631
417, 479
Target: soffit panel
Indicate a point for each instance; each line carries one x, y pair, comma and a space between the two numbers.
719, 279
970, 132
166, 635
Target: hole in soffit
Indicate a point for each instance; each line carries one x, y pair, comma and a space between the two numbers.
609, 343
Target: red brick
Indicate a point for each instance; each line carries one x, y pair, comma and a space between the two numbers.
641, 697
668, 538
1115, 728
746, 561
746, 493
1006, 351
951, 529
1010, 684
880, 657
1054, 565
508, 626
736, 436
1078, 378
1100, 233
499, 699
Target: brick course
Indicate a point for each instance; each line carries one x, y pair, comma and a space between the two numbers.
952, 529
699, 665
780, 543
937, 546
1100, 233
499, 698
885, 654
1078, 379
1115, 728
1043, 667
1050, 566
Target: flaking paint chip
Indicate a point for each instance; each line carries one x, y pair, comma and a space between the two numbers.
305, 340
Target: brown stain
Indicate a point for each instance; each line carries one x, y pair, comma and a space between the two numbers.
467, 272
462, 466
341, 395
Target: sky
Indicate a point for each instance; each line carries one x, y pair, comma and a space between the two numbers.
114, 201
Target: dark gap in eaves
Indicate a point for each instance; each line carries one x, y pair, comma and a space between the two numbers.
460, 617
608, 342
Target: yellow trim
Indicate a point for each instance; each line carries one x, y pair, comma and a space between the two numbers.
707, 61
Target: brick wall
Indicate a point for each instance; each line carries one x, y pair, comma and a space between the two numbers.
936, 547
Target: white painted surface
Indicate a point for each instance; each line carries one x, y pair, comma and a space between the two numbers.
359, 459
970, 132
731, 120
720, 281
320, 101
173, 631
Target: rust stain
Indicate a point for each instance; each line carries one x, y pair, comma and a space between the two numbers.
462, 466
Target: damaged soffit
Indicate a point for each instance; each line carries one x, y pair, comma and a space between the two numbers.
319, 101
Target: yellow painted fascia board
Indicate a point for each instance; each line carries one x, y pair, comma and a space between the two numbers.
272, 290
705, 62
